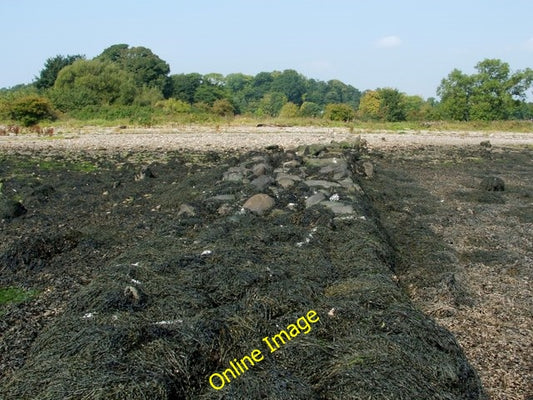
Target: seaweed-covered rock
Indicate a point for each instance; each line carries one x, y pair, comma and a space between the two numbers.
492, 184
10, 209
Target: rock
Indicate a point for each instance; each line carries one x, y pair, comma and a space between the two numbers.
262, 182
186, 210
321, 183
492, 184
10, 209
260, 169
259, 203
145, 173
316, 149
314, 199
222, 197
291, 164
285, 182
224, 209
234, 174
282, 175
338, 207
337, 170
368, 169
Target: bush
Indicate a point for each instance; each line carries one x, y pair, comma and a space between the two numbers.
339, 112
289, 110
172, 106
224, 108
31, 109
310, 109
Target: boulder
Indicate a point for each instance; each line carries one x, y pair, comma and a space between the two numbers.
145, 173
368, 169
186, 210
492, 184
314, 199
10, 209
259, 204
262, 182
321, 183
285, 182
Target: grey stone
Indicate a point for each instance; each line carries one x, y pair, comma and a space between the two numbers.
285, 182
259, 203
291, 164
314, 199
282, 175
223, 197
337, 169
235, 174
338, 207
347, 183
260, 169
262, 182
224, 209
186, 210
368, 169
321, 183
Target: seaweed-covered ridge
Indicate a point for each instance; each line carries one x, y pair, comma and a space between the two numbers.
162, 272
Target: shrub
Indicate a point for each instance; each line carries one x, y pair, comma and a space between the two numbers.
339, 112
289, 110
172, 106
310, 109
223, 107
29, 110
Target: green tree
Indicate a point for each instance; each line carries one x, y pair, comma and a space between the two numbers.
271, 104
315, 92
493, 93
339, 112
184, 86
92, 82
455, 92
392, 105
369, 106
339, 92
52, 66
416, 109
209, 93
147, 68
261, 85
31, 109
291, 84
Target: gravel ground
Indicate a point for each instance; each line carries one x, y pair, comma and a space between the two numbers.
244, 138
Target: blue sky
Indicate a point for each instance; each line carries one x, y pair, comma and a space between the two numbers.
406, 44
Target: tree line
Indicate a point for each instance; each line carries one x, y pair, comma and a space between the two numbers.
126, 81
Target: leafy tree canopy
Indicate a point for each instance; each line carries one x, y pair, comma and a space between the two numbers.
493, 93
147, 68
93, 82
52, 66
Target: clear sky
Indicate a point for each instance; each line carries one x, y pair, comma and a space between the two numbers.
406, 44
